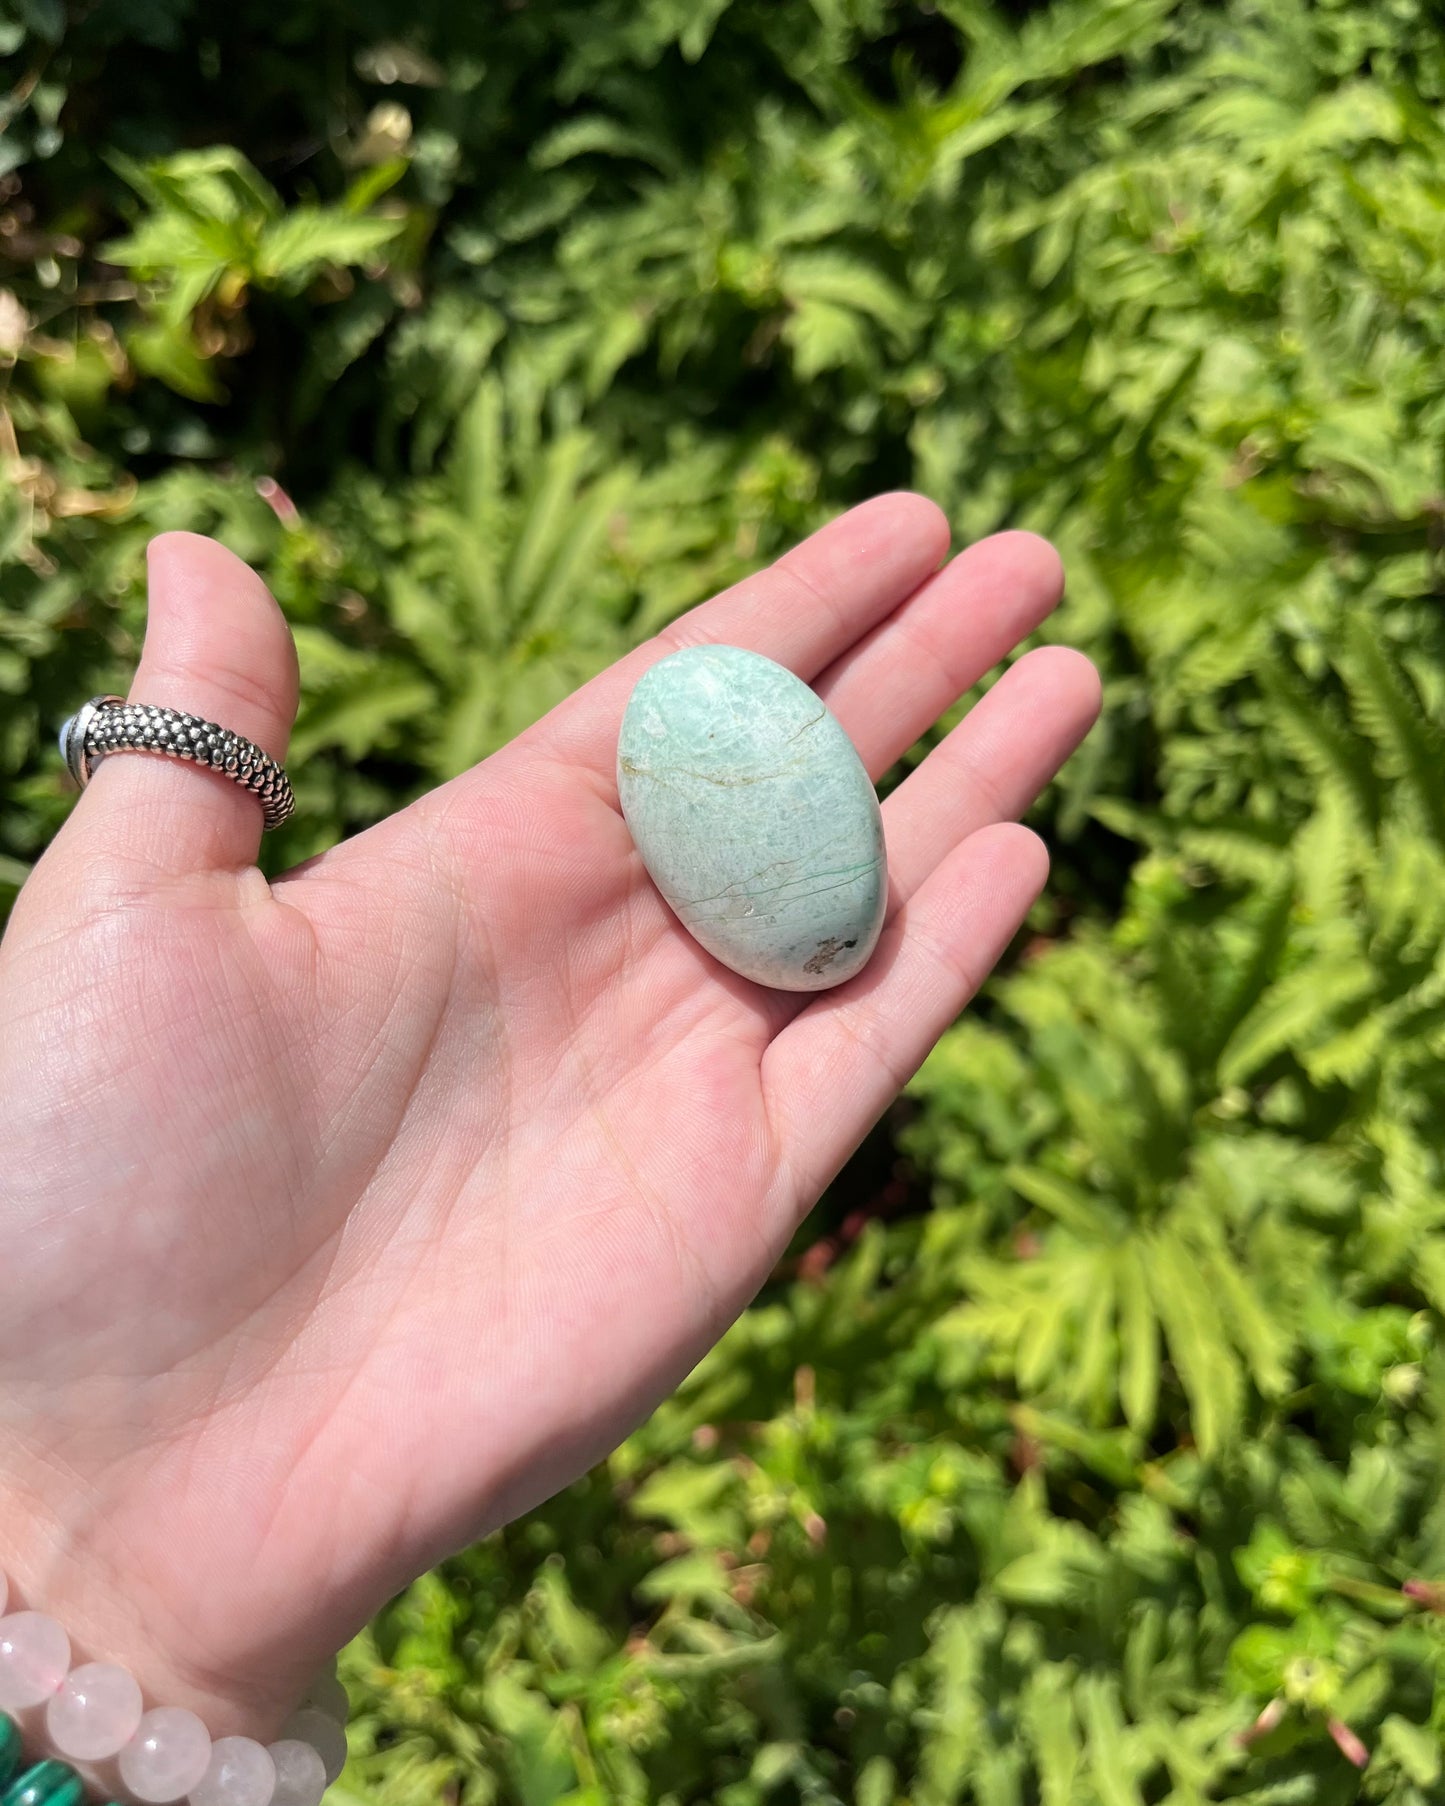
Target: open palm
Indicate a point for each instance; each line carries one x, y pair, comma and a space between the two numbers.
349, 1214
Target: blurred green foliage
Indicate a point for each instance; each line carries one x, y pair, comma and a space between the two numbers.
1090, 1447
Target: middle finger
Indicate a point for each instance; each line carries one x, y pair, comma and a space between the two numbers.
894, 683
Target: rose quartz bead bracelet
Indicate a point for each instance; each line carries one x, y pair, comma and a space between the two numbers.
95, 1712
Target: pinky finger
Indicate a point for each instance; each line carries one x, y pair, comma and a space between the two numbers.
833, 1070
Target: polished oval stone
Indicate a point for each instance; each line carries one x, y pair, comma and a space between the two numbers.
754, 816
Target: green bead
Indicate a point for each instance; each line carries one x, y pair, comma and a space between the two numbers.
47, 1784
10, 1751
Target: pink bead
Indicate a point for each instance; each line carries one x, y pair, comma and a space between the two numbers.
34, 1657
300, 1775
312, 1725
241, 1773
328, 1695
95, 1713
168, 1755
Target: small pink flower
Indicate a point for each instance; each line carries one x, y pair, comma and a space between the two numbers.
1267, 1721
1347, 1743
277, 500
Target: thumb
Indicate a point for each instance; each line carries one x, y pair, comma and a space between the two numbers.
216, 645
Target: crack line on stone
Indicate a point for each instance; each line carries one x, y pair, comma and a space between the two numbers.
844, 875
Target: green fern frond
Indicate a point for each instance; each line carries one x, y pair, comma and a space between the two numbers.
1389, 710
1320, 740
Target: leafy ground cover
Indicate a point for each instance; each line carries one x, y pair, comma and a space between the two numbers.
1089, 1447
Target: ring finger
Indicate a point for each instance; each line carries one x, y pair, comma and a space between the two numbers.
992, 766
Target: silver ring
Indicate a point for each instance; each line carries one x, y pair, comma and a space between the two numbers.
110, 724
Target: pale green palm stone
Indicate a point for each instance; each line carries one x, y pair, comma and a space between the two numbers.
754, 816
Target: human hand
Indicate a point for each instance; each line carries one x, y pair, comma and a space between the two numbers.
351, 1214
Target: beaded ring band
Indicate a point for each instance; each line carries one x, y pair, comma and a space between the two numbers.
110, 724
95, 1713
